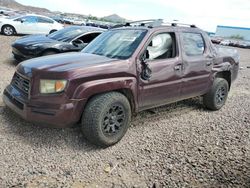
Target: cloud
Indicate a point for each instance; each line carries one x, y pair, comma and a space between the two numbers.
210, 13
205, 14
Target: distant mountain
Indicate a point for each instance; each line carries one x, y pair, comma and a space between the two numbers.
17, 6
114, 18
12, 4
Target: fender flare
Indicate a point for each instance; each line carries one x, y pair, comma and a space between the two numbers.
92, 88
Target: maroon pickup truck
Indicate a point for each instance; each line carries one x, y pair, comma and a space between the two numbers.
122, 72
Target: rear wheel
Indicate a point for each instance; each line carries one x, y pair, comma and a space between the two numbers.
217, 96
8, 30
106, 119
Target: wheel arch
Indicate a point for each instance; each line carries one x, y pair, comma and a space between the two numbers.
226, 75
10, 26
125, 86
52, 31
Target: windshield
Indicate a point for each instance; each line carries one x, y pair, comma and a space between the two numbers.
119, 44
67, 34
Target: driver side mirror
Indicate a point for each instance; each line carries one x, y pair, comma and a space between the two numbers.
79, 43
146, 72
75, 43
144, 56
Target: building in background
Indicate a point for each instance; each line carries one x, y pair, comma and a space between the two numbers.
233, 32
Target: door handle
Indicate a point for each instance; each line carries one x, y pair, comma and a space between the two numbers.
177, 67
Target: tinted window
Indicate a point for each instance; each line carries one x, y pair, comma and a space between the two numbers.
161, 46
29, 19
44, 20
67, 34
119, 44
89, 37
193, 44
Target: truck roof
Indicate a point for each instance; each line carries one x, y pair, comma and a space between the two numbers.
172, 28
158, 24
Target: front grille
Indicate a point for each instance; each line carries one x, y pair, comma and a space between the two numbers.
21, 83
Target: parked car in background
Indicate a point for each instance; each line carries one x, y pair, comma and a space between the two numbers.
5, 11
59, 19
216, 40
68, 21
78, 22
97, 25
69, 39
225, 42
244, 44
28, 24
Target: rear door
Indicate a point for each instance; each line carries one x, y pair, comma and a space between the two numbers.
44, 25
164, 61
197, 64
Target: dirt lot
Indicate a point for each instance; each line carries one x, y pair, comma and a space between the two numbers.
181, 145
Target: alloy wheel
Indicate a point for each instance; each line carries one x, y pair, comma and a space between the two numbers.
8, 30
113, 120
221, 95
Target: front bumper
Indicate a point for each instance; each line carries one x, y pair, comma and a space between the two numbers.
21, 55
52, 115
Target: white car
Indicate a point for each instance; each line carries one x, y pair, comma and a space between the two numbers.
28, 24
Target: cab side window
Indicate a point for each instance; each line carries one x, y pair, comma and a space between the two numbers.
193, 44
162, 46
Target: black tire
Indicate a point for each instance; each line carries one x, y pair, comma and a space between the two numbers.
106, 119
52, 31
8, 30
217, 96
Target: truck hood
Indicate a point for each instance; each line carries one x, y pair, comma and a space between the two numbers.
62, 63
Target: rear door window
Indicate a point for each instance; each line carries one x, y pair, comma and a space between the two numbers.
45, 20
193, 44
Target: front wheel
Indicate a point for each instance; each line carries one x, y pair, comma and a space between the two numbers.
106, 119
217, 96
8, 30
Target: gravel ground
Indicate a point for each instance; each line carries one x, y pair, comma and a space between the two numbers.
180, 145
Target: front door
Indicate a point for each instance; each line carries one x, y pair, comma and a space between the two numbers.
164, 62
28, 25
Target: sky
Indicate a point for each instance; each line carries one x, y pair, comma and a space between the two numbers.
204, 14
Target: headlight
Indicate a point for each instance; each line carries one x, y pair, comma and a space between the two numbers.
33, 47
52, 86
